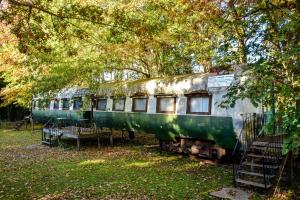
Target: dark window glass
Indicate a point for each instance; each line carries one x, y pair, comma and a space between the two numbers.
77, 103
101, 104
34, 104
47, 104
55, 104
65, 104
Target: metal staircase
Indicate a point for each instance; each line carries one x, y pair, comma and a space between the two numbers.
257, 156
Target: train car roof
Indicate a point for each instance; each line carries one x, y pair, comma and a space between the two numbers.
68, 93
172, 85
177, 85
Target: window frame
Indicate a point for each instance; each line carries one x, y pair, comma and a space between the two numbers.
55, 108
75, 99
158, 99
35, 105
188, 103
62, 106
120, 98
47, 104
139, 97
96, 105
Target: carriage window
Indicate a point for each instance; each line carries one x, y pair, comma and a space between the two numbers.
77, 104
65, 104
101, 104
55, 104
166, 104
139, 104
47, 104
119, 104
35, 104
198, 105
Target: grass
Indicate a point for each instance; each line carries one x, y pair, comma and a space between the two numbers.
32, 171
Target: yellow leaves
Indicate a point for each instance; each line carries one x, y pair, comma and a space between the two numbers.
92, 162
139, 164
16, 72
19, 93
10, 57
146, 37
5, 35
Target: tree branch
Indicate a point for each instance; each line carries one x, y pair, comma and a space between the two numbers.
30, 5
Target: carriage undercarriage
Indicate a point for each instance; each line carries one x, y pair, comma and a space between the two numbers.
56, 133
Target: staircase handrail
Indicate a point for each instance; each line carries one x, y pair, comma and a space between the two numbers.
241, 134
272, 149
237, 142
245, 140
234, 154
266, 179
262, 131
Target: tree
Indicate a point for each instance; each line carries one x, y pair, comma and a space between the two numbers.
272, 65
58, 44
74, 43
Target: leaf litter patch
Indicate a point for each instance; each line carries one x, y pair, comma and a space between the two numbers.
231, 193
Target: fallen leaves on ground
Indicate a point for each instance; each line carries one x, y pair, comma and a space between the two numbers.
129, 171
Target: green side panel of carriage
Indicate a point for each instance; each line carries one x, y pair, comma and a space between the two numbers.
168, 127
165, 127
42, 116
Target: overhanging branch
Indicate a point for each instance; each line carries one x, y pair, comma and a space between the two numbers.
32, 6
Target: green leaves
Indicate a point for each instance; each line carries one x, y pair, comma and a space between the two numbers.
65, 43
68, 43
266, 37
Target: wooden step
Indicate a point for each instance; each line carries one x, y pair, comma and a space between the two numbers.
261, 185
270, 138
256, 174
264, 148
266, 144
260, 165
260, 143
276, 145
261, 156
258, 148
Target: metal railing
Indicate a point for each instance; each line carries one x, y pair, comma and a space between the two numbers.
252, 128
51, 130
272, 156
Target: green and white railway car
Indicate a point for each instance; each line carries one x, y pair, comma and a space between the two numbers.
179, 107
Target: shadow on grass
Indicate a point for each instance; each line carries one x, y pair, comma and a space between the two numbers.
129, 170
138, 174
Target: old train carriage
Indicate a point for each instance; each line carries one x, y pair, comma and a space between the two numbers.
172, 108
68, 103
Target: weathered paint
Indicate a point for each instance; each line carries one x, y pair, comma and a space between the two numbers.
166, 127
222, 126
178, 86
43, 116
241, 107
